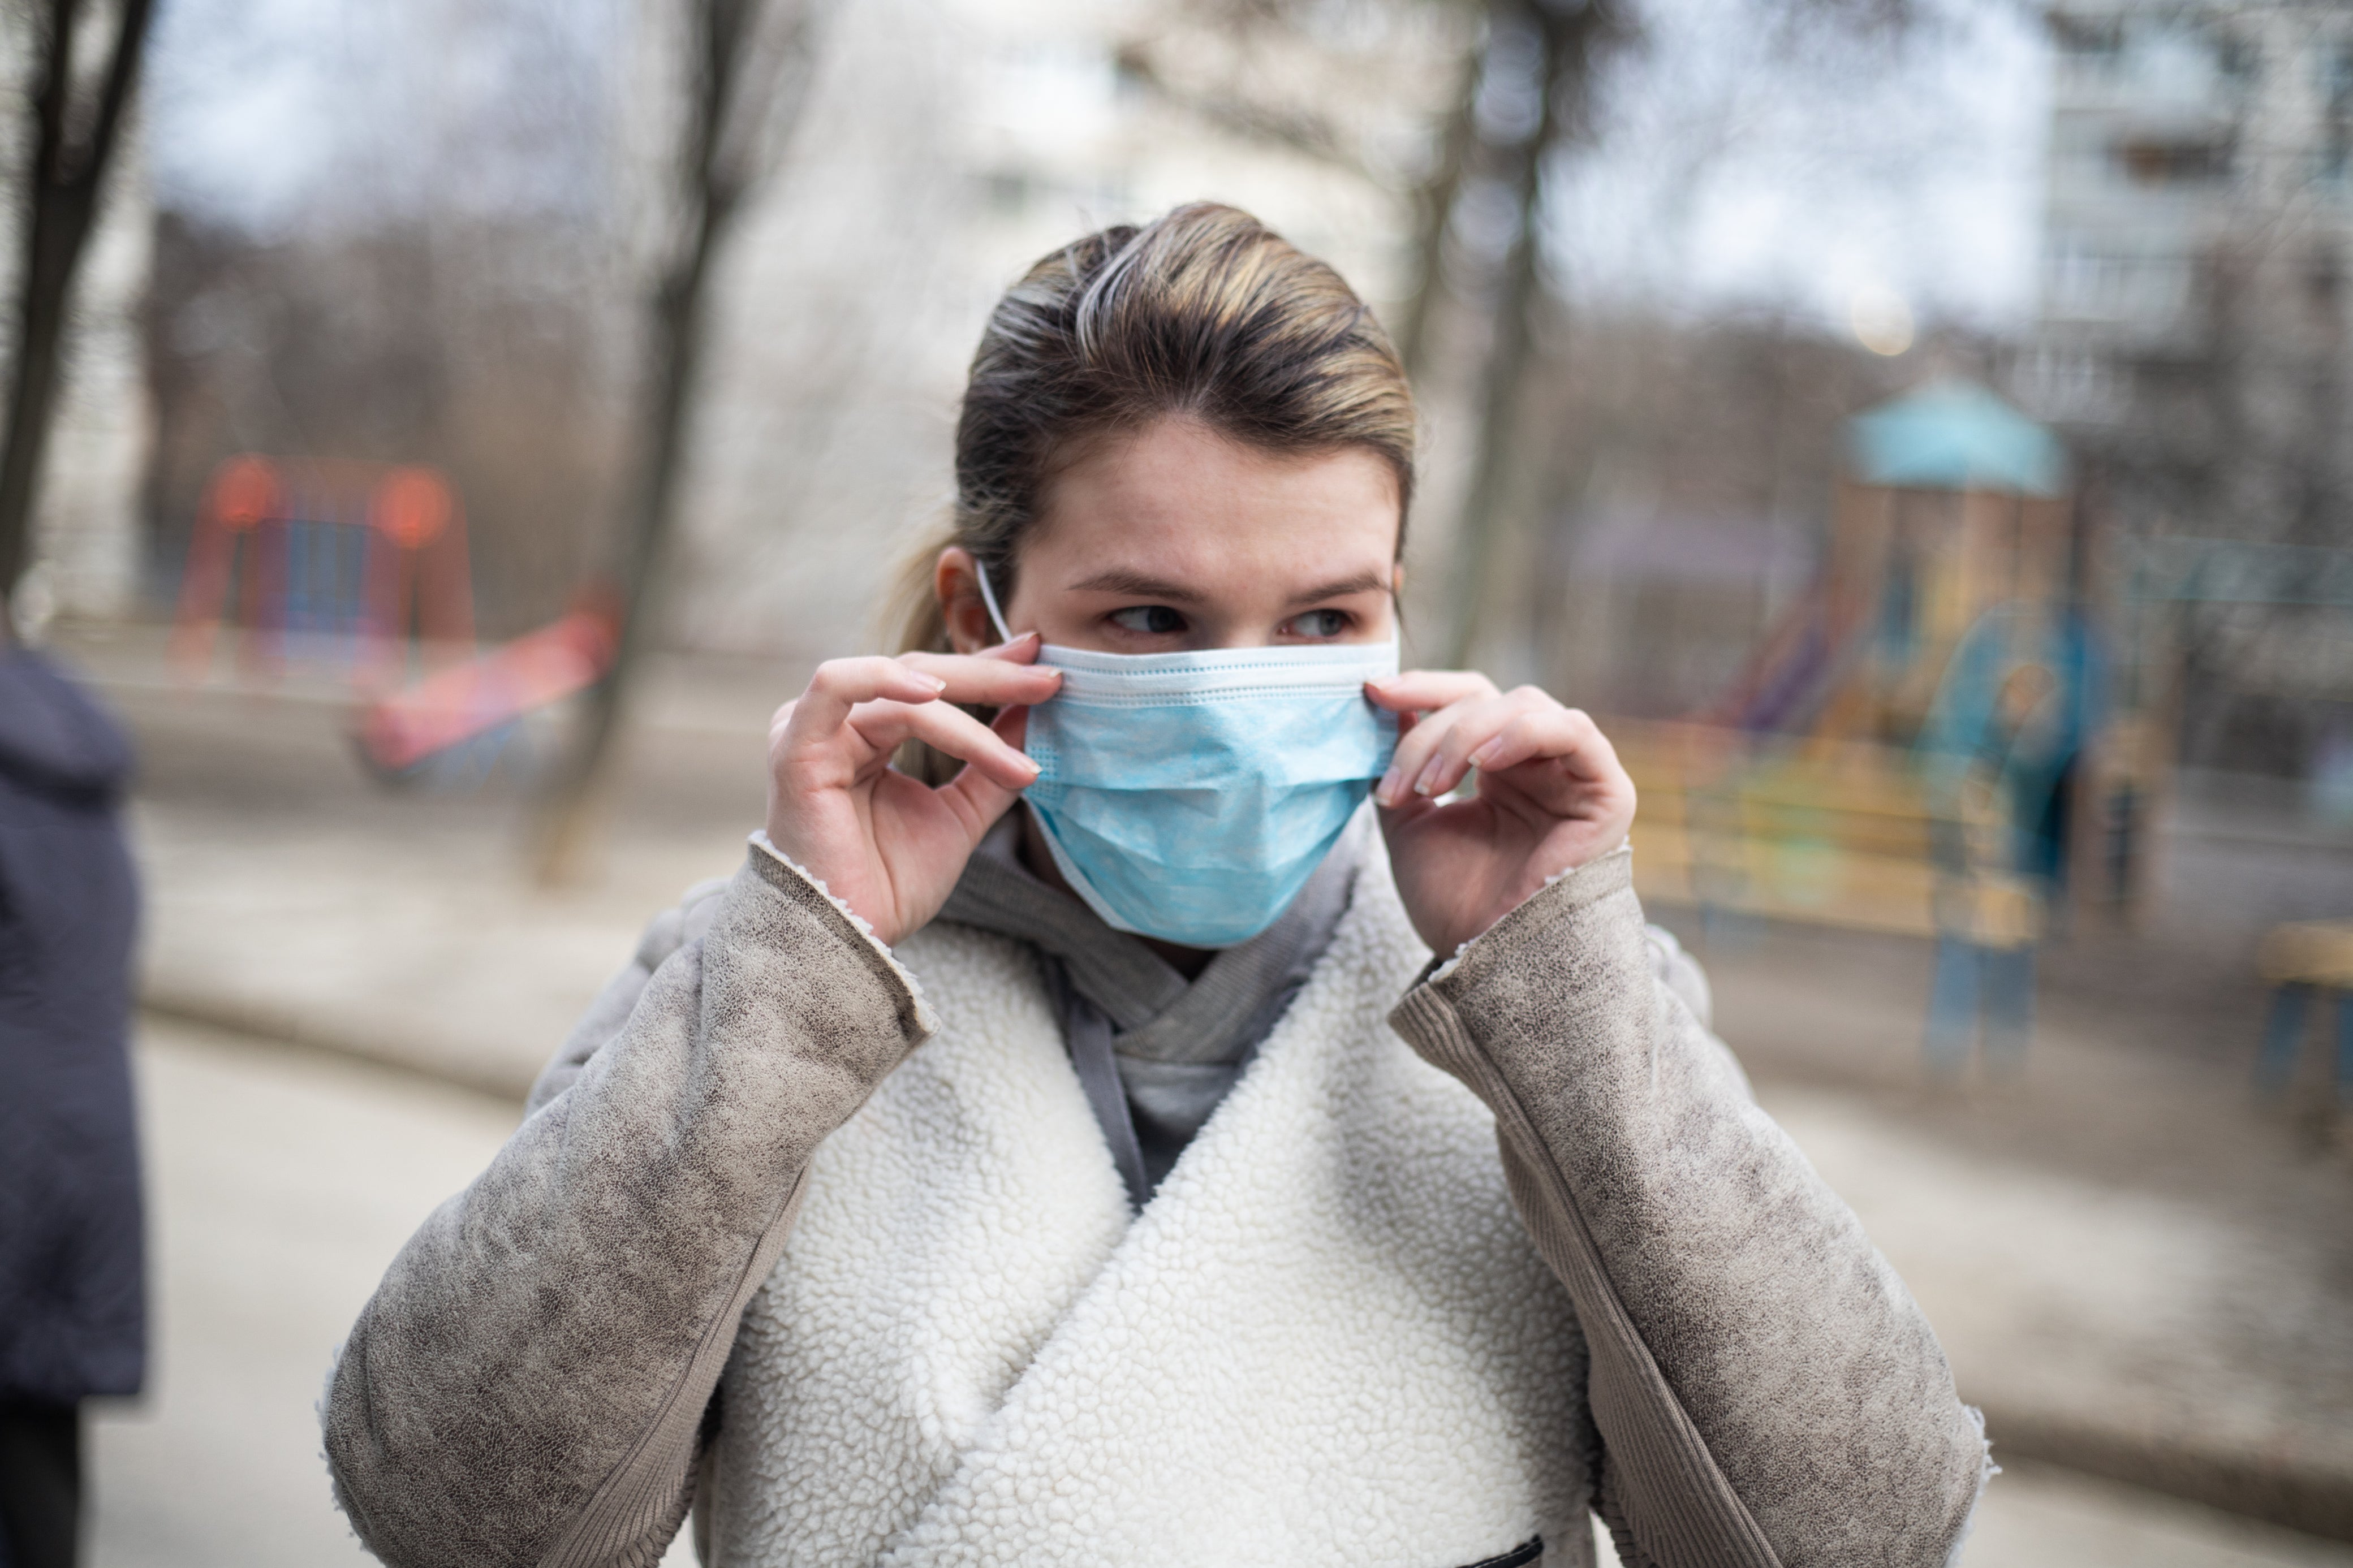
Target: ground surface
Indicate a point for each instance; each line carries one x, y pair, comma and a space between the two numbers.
2121, 1248
284, 1180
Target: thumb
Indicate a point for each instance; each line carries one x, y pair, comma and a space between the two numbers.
978, 800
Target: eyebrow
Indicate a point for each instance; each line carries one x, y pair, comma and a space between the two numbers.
1144, 587
1135, 582
1340, 588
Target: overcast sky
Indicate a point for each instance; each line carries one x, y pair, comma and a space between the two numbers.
1743, 165
264, 115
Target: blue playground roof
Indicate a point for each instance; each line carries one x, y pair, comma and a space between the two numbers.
1955, 435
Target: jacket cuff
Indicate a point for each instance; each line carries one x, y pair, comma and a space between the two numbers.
809, 893
1534, 937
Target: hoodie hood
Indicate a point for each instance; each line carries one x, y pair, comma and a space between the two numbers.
52, 738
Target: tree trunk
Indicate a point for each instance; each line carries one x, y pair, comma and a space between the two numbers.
63, 185
1568, 33
727, 136
1434, 206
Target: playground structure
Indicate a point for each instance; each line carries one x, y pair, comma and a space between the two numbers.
465, 715
2304, 963
1922, 746
326, 562
363, 567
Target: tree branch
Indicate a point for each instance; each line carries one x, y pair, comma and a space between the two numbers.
718, 170
1308, 134
62, 187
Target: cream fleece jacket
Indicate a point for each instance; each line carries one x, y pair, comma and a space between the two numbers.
531, 1384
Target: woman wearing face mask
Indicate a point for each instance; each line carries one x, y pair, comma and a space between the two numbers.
1184, 1166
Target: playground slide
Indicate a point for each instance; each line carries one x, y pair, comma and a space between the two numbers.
467, 702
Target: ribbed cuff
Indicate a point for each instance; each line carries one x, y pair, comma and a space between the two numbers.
788, 877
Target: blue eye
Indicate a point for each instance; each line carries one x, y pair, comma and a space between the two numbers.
1319, 624
1156, 620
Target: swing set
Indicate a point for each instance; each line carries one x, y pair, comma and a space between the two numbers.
325, 562
365, 565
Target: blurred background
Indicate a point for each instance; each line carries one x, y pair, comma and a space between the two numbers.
1920, 431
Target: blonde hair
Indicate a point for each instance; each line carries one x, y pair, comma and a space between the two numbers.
1205, 313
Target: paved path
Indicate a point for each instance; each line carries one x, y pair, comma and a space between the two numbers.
2134, 1267
284, 1179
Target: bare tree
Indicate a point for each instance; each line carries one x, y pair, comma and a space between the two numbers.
75, 139
1433, 205
751, 69
1568, 35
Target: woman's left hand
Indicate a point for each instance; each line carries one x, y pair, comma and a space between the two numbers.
1551, 796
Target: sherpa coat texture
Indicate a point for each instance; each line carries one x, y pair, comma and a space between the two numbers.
1438, 1274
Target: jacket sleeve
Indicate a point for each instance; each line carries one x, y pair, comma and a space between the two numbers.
1768, 1392
527, 1385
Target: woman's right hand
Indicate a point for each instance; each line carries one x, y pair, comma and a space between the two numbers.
889, 846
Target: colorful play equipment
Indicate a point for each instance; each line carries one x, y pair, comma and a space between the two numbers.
2304, 962
1942, 639
462, 717
327, 561
1954, 504
1919, 747
363, 568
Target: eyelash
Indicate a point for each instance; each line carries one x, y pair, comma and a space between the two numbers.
1149, 614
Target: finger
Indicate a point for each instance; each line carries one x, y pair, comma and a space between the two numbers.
1415, 748
1430, 702
975, 797
944, 728
987, 682
1473, 728
1470, 725
1423, 690
1022, 649
1567, 735
842, 684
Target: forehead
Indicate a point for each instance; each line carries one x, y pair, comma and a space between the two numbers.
1188, 496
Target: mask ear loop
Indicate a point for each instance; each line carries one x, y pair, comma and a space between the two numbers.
989, 597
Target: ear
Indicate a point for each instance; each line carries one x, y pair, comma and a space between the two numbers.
956, 582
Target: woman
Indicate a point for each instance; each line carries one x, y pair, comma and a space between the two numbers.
1120, 1179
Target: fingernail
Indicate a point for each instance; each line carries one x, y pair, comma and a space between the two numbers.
1428, 781
1479, 758
936, 683
1386, 791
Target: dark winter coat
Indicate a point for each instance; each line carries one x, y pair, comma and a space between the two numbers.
73, 1317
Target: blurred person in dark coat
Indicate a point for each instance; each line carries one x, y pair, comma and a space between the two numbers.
72, 1292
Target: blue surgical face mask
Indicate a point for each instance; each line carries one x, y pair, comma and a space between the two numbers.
1189, 797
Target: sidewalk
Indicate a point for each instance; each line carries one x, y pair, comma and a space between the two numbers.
2136, 1273
283, 1181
